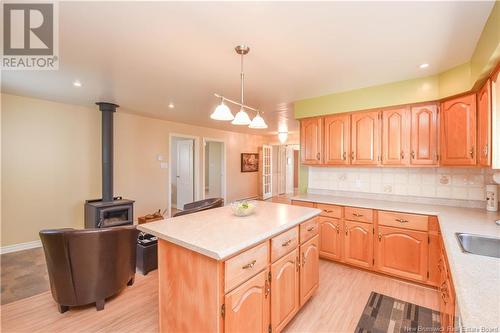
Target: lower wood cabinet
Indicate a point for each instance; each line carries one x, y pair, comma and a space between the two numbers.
284, 290
402, 252
247, 306
330, 238
309, 269
358, 243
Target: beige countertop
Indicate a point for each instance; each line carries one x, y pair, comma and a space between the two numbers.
476, 278
219, 234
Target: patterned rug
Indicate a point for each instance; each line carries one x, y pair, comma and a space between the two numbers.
384, 314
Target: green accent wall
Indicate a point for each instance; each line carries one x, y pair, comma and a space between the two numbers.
454, 81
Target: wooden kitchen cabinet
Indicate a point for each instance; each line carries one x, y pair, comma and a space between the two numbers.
309, 269
484, 125
365, 138
395, 136
337, 140
424, 135
458, 131
247, 306
402, 252
311, 141
330, 238
358, 243
284, 290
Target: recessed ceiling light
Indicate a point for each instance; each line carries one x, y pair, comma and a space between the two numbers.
424, 66
171, 105
77, 83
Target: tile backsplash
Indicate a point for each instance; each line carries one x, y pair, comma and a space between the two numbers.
449, 183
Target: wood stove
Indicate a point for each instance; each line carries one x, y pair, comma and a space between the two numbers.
109, 211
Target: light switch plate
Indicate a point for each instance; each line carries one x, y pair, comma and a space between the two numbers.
163, 165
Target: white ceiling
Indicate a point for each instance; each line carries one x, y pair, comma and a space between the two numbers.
145, 55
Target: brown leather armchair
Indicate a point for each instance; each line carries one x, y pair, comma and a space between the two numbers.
87, 266
200, 205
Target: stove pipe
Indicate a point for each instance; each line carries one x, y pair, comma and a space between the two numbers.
107, 110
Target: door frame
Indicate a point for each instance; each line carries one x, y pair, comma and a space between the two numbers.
223, 164
196, 166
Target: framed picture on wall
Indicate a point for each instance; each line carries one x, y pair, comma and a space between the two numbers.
249, 162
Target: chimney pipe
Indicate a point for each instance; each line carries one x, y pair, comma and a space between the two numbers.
107, 110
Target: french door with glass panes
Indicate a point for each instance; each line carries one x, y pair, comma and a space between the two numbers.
266, 173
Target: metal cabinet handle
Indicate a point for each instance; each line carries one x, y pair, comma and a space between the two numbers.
337, 228
402, 221
346, 232
249, 265
344, 156
286, 243
352, 155
357, 214
328, 211
485, 150
310, 228
412, 154
402, 155
379, 237
268, 288
317, 156
303, 259
471, 152
297, 263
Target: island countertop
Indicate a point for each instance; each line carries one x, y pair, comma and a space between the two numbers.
218, 234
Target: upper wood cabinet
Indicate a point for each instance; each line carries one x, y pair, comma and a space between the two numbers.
311, 141
284, 290
365, 138
484, 125
458, 131
424, 135
395, 136
358, 243
309, 269
337, 143
402, 252
247, 307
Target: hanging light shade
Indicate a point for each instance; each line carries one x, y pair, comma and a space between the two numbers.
258, 122
241, 118
282, 136
222, 112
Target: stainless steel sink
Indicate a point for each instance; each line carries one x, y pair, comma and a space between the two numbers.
481, 245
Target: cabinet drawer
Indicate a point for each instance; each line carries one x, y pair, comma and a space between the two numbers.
308, 229
245, 265
402, 220
358, 214
284, 243
330, 210
303, 203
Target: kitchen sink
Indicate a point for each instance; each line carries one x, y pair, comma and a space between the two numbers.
480, 245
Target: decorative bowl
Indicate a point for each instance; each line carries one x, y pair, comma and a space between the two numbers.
243, 208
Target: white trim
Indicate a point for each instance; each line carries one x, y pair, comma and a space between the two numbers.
20, 246
224, 168
196, 168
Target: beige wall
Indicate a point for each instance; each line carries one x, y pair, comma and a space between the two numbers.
51, 163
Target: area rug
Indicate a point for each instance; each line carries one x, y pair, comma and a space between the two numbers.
384, 314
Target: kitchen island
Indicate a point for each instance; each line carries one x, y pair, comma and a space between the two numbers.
219, 272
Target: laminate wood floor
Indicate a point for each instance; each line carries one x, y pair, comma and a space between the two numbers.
336, 306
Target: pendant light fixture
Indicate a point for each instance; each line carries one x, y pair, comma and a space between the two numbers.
222, 112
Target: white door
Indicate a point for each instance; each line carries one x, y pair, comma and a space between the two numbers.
267, 176
185, 173
215, 158
282, 169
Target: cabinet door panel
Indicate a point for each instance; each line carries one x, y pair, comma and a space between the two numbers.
433, 262
358, 243
424, 131
247, 307
330, 238
484, 125
458, 131
365, 138
395, 136
284, 290
311, 137
337, 140
309, 269
402, 252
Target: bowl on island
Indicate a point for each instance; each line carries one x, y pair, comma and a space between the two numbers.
243, 208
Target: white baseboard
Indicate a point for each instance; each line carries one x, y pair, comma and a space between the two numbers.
20, 247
